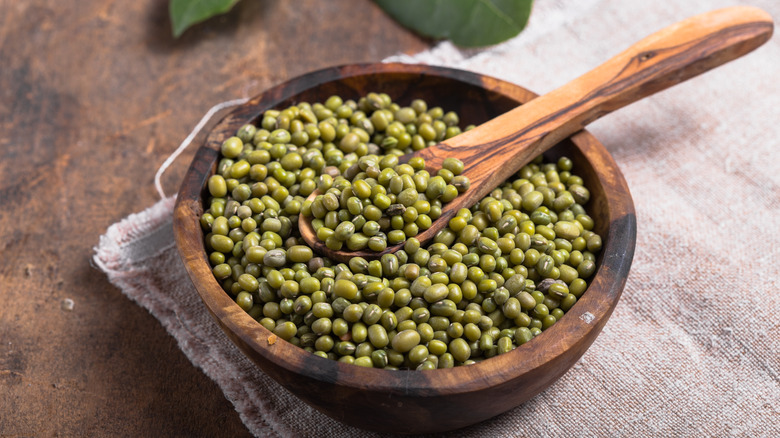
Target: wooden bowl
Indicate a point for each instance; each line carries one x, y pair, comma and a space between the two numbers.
418, 401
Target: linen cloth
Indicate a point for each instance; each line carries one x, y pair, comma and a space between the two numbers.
693, 347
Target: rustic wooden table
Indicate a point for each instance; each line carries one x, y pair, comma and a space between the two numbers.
94, 95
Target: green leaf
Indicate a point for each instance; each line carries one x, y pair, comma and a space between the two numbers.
185, 13
467, 23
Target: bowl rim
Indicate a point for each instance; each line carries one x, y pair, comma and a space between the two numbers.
585, 319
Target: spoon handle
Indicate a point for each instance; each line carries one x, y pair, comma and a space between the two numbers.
657, 62
495, 150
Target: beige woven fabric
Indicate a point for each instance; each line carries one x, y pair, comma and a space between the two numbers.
693, 347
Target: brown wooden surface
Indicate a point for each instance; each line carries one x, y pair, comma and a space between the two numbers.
415, 401
495, 150
94, 95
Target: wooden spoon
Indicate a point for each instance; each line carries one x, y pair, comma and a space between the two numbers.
495, 150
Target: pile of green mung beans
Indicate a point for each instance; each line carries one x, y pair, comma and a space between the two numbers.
379, 201
500, 273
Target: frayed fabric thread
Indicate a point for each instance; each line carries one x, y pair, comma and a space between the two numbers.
190, 137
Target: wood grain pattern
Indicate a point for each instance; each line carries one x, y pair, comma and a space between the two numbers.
410, 401
497, 149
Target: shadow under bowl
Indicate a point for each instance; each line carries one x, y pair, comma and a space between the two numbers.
418, 401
